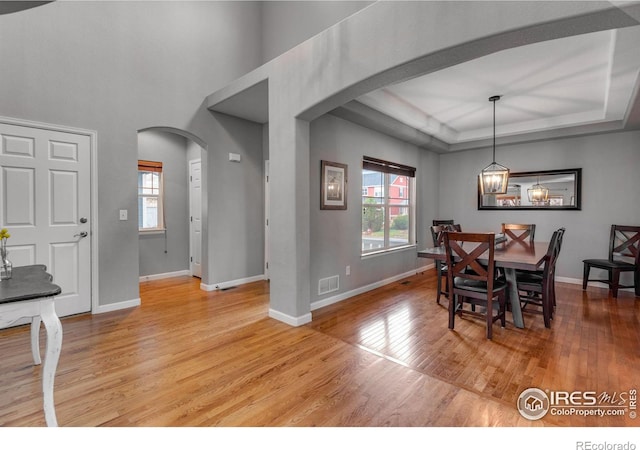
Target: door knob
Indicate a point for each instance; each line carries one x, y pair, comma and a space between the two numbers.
82, 234
83, 220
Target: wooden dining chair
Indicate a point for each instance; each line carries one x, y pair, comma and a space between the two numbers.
519, 232
624, 256
443, 222
437, 234
471, 282
538, 289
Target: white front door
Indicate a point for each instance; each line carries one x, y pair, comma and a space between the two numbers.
195, 206
45, 203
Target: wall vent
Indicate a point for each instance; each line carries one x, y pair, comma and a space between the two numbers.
330, 284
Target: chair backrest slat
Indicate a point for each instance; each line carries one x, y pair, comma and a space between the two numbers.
437, 232
519, 231
552, 253
624, 242
464, 255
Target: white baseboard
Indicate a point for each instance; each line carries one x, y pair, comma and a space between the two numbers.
232, 283
569, 280
290, 320
578, 281
361, 290
117, 306
160, 276
427, 267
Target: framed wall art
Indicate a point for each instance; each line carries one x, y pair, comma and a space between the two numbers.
333, 187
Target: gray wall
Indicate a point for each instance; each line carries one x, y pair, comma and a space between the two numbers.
194, 151
335, 234
236, 191
286, 24
171, 150
118, 67
610, 186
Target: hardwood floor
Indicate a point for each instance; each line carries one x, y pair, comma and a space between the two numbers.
186, 357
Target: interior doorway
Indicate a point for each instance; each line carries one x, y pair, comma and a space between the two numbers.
169, 216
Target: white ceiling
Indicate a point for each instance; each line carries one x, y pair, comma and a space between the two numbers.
578, 85
568, 84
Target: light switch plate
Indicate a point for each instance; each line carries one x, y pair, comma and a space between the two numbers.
123, 214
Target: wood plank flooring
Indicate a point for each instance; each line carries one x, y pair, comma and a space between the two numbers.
189, 358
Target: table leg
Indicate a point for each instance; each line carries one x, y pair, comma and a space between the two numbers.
514, 297
54, 345
35, 339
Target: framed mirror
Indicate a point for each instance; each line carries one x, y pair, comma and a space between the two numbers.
547, 189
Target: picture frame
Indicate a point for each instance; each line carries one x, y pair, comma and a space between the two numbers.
333, 185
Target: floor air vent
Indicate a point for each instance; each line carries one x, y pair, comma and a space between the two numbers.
330, 284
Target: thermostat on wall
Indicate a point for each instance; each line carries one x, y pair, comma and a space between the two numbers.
234, 157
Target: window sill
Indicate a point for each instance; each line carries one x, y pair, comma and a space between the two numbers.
154, 231
387, 251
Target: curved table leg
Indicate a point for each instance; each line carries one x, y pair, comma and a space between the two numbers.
54, 345
35, 339
514, 297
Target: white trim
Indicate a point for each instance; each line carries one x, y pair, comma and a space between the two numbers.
361, 290
232, 283
93, 180
290, 320
569, 280
144, 231
267, 213
160, 276
190, 164
597, 286
425, 268
117, 306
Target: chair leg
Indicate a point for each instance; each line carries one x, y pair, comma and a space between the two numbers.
585, 275
636, 281
452, 311
489, 314
439, 287
546, 310
553, 293
503, 312
614, 277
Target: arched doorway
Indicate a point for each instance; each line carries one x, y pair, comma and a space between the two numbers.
169, 203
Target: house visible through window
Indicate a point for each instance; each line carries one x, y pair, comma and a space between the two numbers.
150, 217
387, 205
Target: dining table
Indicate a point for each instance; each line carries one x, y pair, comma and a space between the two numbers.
508, 255
30, 293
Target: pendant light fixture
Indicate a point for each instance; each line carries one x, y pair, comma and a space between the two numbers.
494, 177
538, 193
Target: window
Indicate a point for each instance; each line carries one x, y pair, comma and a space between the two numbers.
150, 214
387, 206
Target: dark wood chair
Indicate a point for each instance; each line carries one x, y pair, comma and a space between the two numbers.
443, 222
538, 289
472, 282
519, 232
624, 256
437, 234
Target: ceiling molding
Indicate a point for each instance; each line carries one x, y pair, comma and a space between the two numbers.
367, 117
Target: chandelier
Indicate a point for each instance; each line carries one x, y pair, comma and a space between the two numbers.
494, 177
